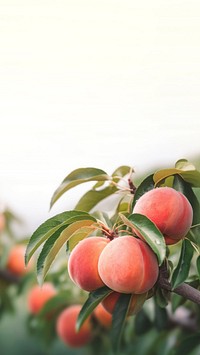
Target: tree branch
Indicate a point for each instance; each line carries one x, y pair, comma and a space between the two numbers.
184, 290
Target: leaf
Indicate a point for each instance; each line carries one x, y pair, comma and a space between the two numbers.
185, 169
79, 235
49, 227
181, 272
55, 243
161, 318
147, 231
187, 344
103, 217
142, 323
77, 177
93, 300
146, 185
194, 234
118, 320
198, 265
91, 198
181, 185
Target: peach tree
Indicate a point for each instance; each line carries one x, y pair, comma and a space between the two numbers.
139, 258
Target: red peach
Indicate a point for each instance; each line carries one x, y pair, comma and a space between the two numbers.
83, 263
66, 327
128, 265
169, 209
39, 295
15, 261
103, 316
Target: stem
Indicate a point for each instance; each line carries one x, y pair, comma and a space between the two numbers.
8, 276
184, 290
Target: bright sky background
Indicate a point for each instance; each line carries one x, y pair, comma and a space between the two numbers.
93, 83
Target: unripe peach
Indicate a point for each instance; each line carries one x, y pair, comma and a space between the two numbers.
2, 222
110, 301
39, 295
66, 327
16, 262
103, 316
169, 209
128, 265
83, 263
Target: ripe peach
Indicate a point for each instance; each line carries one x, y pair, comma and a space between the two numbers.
83, 263
169, 209
38, 296
103, 316
128, 265
110, 301
2, 222
15, 261
66, 327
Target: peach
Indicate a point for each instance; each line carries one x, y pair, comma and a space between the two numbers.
128, 265
103, 316
169, 209
16, 262
39, 295
83, 263
66, 327
110, 301
2, 222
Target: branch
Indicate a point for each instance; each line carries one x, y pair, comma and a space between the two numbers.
8, 276
184, 290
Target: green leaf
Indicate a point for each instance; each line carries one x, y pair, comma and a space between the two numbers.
142, 323
146, 185
181, 272
198, 265
103, 217
91, 198
188, 344
147, 231
55, 243
93, 300
161, 317
185, 169
119, 318
79, 235
122, 171
49, 227
162, 297
181, 185
77, 177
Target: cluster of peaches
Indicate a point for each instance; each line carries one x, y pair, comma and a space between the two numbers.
126, 264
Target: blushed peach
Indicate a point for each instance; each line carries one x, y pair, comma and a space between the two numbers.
16, 262
83, 263
39, 295
169, 209
128, 265
66, 327
103, 316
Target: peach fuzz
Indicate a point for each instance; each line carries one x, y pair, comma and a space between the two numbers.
16, 262
169, 209
66, 327
83, 263
110, 301
103, 316
39, 295
128, 265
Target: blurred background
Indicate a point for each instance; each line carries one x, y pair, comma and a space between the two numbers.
93, 83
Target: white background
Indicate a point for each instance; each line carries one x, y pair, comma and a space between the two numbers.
93, 83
